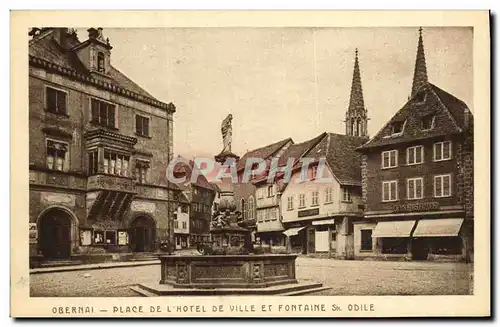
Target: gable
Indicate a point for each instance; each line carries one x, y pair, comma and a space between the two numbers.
448, 113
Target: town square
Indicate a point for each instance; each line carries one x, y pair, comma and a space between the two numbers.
279, 161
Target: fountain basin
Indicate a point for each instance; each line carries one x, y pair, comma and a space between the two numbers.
228, 271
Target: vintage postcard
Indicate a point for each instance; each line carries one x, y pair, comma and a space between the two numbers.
250, 164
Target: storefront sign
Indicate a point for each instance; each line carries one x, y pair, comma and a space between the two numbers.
309, 212
408, 207
33, 233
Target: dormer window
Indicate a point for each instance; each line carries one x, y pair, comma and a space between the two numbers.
397, 128
428, 122
100, 62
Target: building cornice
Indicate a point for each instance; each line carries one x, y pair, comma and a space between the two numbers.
73, 74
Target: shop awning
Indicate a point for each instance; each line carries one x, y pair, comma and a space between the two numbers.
293, 231
401, 228
438, 227
324, 222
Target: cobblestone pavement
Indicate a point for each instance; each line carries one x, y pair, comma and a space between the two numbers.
344, 278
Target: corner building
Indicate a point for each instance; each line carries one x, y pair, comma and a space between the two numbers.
418, 179
98, 153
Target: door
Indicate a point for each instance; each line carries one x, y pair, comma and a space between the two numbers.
322, 239
310, 240
419, 249
144, 234
55, 235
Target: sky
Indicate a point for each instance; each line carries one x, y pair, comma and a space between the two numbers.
282, 82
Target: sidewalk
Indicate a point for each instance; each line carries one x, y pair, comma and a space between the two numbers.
106, 265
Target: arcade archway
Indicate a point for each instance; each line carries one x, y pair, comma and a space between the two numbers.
55, 234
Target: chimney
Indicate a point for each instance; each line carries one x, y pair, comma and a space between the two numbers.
59, 35
93, 33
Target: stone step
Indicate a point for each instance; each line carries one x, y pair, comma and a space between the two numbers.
286, 290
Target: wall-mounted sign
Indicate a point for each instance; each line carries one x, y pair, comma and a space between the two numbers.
33, 233
409, 207
308, 212
122, 238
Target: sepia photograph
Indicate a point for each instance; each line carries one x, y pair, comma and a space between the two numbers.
313, 162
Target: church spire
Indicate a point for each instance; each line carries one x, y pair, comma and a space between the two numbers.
420, 74
356, 120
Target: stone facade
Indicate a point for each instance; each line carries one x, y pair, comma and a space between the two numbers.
96, 170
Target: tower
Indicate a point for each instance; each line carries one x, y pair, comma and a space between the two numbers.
420, 73
356, 120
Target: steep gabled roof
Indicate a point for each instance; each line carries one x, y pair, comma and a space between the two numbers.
184, 169
264, 152
46, 49
341, 156
451, 116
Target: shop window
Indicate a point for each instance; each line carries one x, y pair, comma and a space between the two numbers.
442, 151
57, 154
110, 237
141, 171
141, 125
103, 113
394, 245
55, 101
85, 237
115, 164
389, 159
445, 245
122, 237
366, 240
98, 237
415, 155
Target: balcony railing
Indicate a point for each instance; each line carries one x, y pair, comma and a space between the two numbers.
110, 182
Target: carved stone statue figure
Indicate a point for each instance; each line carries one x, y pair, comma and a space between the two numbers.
227, 132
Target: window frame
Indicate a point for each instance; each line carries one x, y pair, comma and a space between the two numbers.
145, 118
115, 119
389, 161
414, 149
302, 200
441, 177
403, 124
441, 143
389, 182
65, 113
289, 203
270, 191
347, 191
66, 161
314, 198
329, 195
414, 179
432, 117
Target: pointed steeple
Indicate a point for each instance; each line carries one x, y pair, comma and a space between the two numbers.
356, 120
420, 73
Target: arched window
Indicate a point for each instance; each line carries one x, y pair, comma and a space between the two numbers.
243, 209
100, 62
251, 208
358, 127
353, 127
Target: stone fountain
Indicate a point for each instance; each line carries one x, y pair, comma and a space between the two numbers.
229, 264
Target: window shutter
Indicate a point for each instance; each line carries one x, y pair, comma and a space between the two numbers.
61, 102
146, 126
